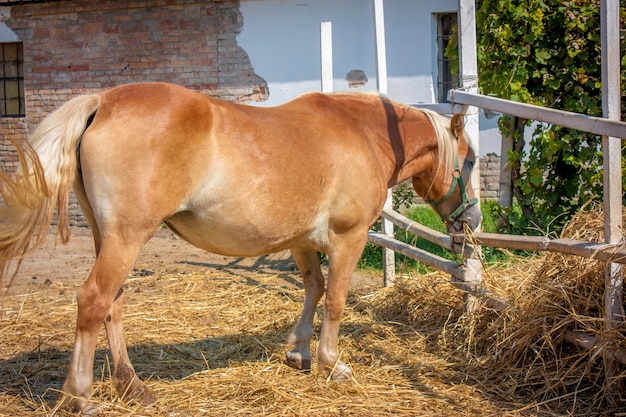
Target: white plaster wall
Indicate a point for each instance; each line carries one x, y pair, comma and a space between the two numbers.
6, 34
282, 38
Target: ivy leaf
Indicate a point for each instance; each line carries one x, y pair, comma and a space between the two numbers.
542, 56
536, 177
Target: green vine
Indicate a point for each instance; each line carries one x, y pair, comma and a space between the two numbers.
547, 52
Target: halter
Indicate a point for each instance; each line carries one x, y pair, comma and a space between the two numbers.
457, 179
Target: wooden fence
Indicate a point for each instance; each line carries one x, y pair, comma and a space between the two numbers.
610, 252
467, 274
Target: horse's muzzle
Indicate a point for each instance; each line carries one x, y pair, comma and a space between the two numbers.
471, 216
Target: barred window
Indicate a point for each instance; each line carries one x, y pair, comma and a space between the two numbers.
446, 80
12, 103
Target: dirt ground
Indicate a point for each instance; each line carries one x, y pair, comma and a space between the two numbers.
71, 262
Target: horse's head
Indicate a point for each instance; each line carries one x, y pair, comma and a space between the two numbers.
450, 192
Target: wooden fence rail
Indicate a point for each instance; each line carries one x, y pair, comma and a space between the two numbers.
432, 260
458, 272
596, 125
602, 251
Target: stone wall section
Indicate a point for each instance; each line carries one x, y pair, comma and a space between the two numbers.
489, 176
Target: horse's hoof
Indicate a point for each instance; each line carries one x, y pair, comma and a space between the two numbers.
145, 396
90, 411
129, 387
341, 372
84, 407
295, 360
137, 391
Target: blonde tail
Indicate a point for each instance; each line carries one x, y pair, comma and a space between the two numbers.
47, 169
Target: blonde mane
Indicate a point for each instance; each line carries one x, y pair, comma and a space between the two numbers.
446, 141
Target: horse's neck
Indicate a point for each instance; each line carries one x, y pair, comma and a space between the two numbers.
410, 151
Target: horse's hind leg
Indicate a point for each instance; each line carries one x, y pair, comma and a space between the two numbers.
116, 256
127, 384
313, 280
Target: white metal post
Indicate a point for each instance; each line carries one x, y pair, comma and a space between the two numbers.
389, 261
381, 47
326, 47
468, 72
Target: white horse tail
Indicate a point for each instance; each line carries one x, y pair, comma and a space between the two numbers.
47, 168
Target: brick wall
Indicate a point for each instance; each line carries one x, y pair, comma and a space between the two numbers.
76, 47
489, 176
15, 128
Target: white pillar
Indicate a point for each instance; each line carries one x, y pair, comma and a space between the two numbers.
389, 259
326, 47
381, 48
468, 72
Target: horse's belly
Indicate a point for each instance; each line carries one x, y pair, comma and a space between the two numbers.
238, 236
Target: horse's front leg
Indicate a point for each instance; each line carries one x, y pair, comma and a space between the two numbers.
127, 384
342, 261
313, 280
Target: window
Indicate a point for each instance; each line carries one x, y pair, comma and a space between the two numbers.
12, 103
446, 80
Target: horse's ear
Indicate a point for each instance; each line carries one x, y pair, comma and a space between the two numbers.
457, 126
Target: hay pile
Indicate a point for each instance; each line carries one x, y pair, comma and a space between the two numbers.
212, 344
527, 352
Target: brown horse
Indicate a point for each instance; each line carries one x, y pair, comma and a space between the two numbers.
311, 175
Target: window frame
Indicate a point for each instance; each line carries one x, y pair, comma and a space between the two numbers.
12, 89
446, 80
